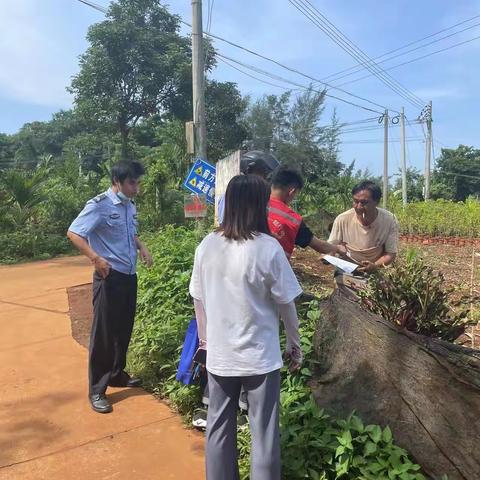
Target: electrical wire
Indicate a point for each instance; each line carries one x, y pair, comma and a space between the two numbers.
94, 5
369, 128
286, 67
414, 59
461, 175
252, 76
290, 82
209, 14
313, 14
390, 140
353, 50
365, 120
348, 45
208, 24
293, 70
356, 68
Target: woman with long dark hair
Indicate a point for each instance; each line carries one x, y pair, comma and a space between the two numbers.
241, 283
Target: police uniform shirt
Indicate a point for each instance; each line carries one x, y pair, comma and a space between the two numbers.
110, 227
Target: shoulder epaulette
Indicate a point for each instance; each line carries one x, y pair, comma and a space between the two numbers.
100, 197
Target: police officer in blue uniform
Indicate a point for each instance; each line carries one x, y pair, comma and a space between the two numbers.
106, 232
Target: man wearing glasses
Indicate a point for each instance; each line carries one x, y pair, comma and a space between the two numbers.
369, 233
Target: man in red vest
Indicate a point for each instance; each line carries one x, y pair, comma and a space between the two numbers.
286, 224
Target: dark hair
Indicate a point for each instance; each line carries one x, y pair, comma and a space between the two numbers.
373, 188
285, 177
123, 170
246, 202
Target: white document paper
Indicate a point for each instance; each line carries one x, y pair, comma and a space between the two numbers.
347, 267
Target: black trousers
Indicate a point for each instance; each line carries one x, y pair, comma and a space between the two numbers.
114, 304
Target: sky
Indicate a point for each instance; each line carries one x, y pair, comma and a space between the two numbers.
41, 40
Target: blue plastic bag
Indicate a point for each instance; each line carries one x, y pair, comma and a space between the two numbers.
190, 346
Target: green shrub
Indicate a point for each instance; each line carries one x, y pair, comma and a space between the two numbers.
163, 313
439, 217
32, 244
414, 296
318, 446
314, 445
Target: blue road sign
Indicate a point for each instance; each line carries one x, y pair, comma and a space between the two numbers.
201, 180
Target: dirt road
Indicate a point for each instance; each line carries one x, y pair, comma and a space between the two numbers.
47, 429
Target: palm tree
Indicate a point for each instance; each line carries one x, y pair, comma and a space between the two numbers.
21, 196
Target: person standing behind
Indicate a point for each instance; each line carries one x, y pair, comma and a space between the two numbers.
369, 233
287, 225
241, 281
105, 231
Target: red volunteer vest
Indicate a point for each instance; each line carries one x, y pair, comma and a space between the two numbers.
284, 224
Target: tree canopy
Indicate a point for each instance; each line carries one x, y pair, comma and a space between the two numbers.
291, 128
135, 66
457, 173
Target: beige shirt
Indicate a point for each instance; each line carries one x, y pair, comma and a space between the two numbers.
366, 243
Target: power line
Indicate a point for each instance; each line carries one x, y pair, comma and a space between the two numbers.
373, 140
314, 15
409, 51
293, 70
210, 14
353, 50
252, 76
414, 60
291, 82
286, 67
365, 120
339, 126
94, 5
460, 175
208, 25
356, 68
369, 128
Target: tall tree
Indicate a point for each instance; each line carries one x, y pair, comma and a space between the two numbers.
136, 65
291, 128
7, 150
267, 120
415, 182
225, 108
457, 174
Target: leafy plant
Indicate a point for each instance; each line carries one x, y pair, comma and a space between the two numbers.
32, 243
164, 309
414, 296
435, 217
314, 444
23, 195
318, 446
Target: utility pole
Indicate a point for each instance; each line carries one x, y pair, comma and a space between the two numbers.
385, 159
428, 151
198, 77
403, 156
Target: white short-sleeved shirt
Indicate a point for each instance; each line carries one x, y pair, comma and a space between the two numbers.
240, 284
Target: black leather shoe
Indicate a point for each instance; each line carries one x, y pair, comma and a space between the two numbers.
125, 382
99, 403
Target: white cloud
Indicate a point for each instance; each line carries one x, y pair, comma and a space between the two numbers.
34, 69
